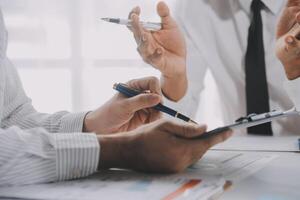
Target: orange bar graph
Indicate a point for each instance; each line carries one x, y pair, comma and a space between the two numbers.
190, 184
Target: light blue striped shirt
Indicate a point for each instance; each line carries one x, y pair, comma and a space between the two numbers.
37, 147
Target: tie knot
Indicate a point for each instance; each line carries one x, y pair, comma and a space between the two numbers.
257, 5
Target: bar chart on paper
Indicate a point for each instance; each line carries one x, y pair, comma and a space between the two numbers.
116, 184
204, 179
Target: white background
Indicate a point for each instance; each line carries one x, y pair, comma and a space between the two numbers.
68, 59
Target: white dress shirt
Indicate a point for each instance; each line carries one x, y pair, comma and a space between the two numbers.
217, 33
36, 147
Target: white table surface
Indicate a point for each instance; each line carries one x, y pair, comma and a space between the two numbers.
280, 180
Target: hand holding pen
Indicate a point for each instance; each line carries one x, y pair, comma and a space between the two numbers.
129, 92
121, 114
163, 48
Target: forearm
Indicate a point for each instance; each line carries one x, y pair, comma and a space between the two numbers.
45, 157
174, 87
23, 115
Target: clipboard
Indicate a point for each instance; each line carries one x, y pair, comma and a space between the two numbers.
252, 120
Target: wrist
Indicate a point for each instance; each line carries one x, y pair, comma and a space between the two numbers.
175, 72
174, 88
92, 122
116, 151
87, 123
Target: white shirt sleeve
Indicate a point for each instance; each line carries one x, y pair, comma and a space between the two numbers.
36, 156
293, 89
196, 68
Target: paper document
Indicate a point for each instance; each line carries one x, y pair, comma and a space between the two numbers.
118, 184
260, 143
201, 181
233, 166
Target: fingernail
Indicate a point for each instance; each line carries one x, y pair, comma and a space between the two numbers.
144, 38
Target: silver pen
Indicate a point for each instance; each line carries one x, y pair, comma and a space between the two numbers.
152, 26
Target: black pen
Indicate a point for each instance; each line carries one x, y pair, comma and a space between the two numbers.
129, 92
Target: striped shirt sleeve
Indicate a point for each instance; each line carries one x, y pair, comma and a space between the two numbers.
18, 111
36, 156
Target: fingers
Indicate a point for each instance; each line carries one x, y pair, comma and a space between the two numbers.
137, 28
288, 18
187, 143
146, 100
192, 131
153, 115
298, 17
136, 10
140, 102
149, 51
198, 148
219, 138
292, 46
291, 3
291, 41
164, 12
151, 84
184, 130
146, 47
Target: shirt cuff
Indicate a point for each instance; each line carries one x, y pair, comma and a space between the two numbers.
72, 122
293, 90
77, 155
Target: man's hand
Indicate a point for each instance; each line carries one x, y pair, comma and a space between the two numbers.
124, 114
288, 36
162, 146
164, 49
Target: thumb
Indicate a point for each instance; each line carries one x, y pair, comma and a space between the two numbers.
164, 12
185, 130
141, 101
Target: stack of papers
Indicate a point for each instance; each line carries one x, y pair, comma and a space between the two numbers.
121, 184
205, 179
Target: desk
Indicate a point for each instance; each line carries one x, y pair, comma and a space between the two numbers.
280, 180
